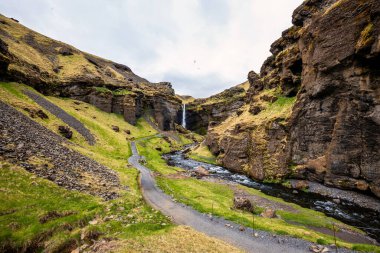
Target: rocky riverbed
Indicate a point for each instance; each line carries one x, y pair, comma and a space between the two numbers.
350, 207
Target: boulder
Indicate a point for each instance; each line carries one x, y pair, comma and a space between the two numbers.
299, 184
201, 172
65, 131
269, 213
243, 203
116, 128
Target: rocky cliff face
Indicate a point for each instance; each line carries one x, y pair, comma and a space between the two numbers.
334, 128
201, 113
313, 112
55, 68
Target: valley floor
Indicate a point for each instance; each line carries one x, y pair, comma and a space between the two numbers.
53, 202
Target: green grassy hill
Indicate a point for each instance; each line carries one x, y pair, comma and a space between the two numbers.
37, 214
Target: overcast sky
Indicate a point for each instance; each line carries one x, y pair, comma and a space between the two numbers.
201, 46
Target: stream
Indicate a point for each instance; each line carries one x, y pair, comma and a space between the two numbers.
347, 212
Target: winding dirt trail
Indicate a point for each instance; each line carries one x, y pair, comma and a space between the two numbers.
184, 215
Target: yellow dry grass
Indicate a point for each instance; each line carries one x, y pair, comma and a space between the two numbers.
179, 239
74, 65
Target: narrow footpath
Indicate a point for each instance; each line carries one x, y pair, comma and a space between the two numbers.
215, 227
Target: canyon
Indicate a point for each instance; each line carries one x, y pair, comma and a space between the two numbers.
313, 111
321, 78
307, 125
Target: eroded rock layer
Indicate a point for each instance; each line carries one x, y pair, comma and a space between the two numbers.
313, 111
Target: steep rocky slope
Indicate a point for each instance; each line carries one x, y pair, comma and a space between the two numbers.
55, 68
313, 112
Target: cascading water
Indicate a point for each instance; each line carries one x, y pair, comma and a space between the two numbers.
184, 115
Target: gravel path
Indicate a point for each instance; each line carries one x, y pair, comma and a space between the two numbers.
44, 153
216, 227
64, 116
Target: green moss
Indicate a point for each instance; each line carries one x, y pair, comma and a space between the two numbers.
119, 92
103, 90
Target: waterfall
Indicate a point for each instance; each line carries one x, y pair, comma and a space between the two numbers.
184, 115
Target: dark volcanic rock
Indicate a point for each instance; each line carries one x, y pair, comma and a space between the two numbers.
23, 141
116, 128
333, 116
65, 131
330, 60
201, 113
243, 203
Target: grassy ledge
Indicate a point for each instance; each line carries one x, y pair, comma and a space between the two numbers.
202, 153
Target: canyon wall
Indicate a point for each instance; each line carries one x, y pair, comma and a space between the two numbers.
313, 112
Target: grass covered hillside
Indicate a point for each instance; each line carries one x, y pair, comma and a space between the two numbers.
37, 214
34, 57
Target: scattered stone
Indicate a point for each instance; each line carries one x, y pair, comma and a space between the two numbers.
77, 102
243, 203
300, 185
127, 131
159, 149
255, 109
269, 213
88, 235
241, 228
33, 113
319, 249
41, 114
336, 201
201, 172
269, 98
295, 191
65, 131
116, 128
93, 222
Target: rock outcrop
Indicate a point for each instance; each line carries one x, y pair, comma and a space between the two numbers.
55, 68
313, 111
334, 127
201, 113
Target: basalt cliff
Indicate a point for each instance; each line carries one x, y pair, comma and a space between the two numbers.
313, 111
55, 68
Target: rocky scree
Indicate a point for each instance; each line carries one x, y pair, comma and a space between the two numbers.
42, 152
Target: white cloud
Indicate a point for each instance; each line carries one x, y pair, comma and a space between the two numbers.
201, 46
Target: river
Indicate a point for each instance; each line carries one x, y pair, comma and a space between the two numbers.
347, 212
